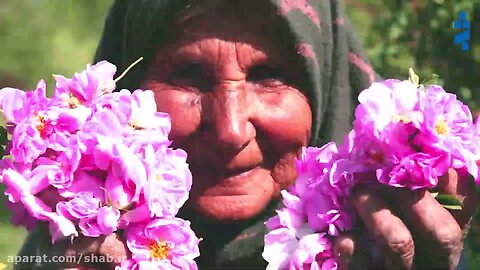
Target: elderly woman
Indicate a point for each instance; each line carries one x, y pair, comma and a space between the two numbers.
247, 84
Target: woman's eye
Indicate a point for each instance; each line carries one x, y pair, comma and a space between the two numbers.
191, 75
266, 74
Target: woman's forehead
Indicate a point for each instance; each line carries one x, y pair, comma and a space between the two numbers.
215, 25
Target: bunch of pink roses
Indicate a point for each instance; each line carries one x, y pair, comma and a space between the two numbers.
92, 161
405, 135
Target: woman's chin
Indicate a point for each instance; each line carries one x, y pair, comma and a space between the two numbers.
231, 208
234, 198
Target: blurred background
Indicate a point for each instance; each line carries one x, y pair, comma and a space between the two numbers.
43, 37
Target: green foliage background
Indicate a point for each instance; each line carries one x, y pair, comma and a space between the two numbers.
400, 34
42, 37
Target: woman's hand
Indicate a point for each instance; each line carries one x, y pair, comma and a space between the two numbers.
410, 227
104, 252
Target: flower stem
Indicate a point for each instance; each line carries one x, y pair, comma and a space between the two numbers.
127, 70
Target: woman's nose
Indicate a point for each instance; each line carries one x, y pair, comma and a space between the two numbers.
230, 119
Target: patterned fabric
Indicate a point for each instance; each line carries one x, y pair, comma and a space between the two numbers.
335, 71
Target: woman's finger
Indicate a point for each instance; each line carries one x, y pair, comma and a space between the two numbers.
463, 188
352, 252
115, 249
438, 237
104, 252
72, 252
386, 228
343, 250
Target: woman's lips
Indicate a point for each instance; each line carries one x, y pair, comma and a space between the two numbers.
229, 182
224, 171
233, 174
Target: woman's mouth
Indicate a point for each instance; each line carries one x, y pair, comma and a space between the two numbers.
226, 182
232, 194
234, 174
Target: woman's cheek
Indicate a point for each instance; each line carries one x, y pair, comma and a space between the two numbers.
183, 107
285, 117
284, 172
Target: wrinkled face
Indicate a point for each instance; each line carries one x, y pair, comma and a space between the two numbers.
235, 109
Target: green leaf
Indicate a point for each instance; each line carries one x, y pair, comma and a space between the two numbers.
448, 199
431, 80
109, 201
413, 77
449, 202
453, 207
3, 136
127, 207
